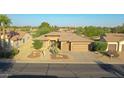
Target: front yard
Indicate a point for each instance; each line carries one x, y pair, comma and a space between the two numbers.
70, 57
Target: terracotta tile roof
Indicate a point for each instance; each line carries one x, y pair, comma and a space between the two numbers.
53, 34
15, 38
21, 34
42, 38
18, 36
68, 36
65, 36
114, 37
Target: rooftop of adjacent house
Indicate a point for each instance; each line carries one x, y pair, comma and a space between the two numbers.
19, 35
65, 36
53, 34
15, 35
114, 37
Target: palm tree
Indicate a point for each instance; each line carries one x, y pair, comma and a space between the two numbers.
5, 21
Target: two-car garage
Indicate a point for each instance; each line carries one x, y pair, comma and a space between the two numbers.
80, 46
76, 46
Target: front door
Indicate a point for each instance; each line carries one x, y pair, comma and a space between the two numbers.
122, 48
66, 46
112, 47
52, 43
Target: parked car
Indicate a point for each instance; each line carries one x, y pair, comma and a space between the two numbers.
112, 53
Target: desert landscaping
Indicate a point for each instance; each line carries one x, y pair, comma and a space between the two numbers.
53, 44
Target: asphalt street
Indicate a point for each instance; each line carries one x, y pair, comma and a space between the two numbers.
33, 70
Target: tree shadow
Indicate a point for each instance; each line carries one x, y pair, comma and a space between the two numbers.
5, 66
111, 69
32, 76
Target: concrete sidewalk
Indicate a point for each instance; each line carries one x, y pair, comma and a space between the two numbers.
108, 61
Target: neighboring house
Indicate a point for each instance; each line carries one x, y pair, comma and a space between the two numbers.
20, 39
66, 30
15, 39
115, 41
67, 41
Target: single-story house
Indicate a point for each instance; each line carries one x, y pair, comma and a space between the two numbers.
115, 41
20, 39
67, 41
15, 39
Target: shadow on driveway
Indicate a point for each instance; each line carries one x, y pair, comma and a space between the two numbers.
4, 67
111, 68
32, 76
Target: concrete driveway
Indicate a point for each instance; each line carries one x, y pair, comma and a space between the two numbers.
27, 70
79, 56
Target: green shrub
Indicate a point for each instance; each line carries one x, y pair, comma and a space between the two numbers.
14, 52
54, 51
37, 44
54, 48
99, 46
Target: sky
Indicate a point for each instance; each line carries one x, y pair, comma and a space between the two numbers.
67, 19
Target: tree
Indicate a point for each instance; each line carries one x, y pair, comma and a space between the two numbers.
91, 31
118, 29
99, 46
54, 28
4, 20
44, 28
4, 23
37, 44
44, 24
79, 30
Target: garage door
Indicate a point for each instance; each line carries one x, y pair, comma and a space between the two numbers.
79, 46
112, 47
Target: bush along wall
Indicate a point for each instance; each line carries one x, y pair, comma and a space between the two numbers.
10, 54
99, 46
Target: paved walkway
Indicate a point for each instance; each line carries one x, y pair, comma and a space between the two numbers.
25, 50
74, 58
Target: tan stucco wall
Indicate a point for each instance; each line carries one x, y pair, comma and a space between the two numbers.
121, 43
20, 42
46, 44
12, 43
118, 45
